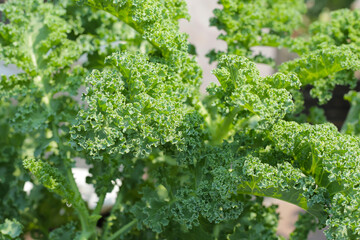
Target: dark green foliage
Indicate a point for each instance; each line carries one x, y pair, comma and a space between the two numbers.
190, 166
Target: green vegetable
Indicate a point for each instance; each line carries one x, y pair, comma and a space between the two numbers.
10, 229
191, 165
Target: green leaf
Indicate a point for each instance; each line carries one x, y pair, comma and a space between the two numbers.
243, 88
67, 231
351, 124
52, 179
11, 228
36, 38
322, 69
154, 20
257, 23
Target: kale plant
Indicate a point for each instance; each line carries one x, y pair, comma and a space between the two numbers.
191, 165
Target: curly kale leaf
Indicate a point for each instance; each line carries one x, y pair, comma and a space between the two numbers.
329, 51
257, 23
187, 167
259, 169
331, 158
100, 34
316, 172
154, 210
156, 21
243, 93
35, 40
133, 108
51, 178
342, 29
324, 69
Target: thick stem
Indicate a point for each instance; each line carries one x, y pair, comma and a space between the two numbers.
87, 228
112, 212
352, 117
99, 204
222, 130
123, 230
216, 231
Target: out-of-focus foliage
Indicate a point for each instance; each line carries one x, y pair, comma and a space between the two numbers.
324, 69
263, 23
190, 166
304, 225
351, 124
316, 7
10, 229
249, 24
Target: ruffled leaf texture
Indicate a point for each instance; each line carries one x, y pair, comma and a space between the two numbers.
257, 23
332, 160
152, 93
242, 88
319, 170
325, 68
37, 106
36, 41
157, 22
328, 52
144, 122
136, 106
154, 20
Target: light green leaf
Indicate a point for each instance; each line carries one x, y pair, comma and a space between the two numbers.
11, 228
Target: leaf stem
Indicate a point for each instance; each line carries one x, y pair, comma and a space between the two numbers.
222, 130
352, 117
80, 207
110, 217
42, 82
79, 203
99, 204
124, 17
123, 229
